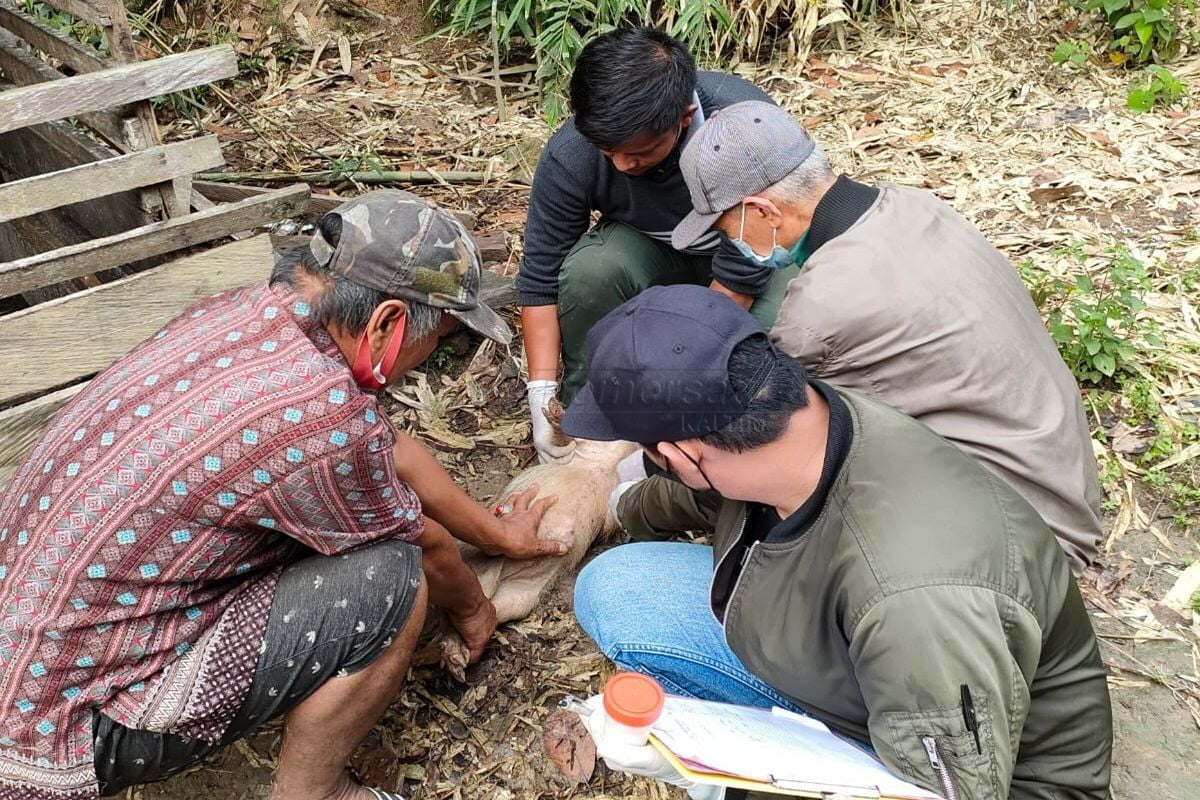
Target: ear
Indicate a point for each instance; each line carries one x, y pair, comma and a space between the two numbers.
692, 447
383, 322
675, 454
764, 208
688, 114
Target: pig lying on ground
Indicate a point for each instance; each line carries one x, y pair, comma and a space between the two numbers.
579, 518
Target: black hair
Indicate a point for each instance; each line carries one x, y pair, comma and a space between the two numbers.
630, 82
783, 393
345, 302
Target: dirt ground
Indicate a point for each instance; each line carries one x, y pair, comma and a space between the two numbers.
960, 101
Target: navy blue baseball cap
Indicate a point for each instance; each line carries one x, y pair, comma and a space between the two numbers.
658, 368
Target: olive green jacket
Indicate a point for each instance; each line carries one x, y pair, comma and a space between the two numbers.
923, 573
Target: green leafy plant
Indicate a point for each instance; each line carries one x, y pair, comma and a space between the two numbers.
443, 357
1072, 51
1096, 323
1157, 86
556, 30
63, 22
344, 167
1142, 30
191, 104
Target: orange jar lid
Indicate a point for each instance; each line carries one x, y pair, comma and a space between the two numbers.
633, 699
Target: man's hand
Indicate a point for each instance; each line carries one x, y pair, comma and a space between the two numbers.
743, 300
518, 528
455, 588
515, 535
476, 627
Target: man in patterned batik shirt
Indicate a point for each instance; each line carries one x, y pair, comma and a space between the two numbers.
224, 527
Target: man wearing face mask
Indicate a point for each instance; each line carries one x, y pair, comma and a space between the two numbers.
224, 527
637, 100
863, 570
903, 299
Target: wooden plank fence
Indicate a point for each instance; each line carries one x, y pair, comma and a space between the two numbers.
77, 212
95, 91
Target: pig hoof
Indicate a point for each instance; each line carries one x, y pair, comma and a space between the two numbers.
455, 656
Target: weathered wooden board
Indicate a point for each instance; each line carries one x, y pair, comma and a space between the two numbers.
101, 178
45, 148
128, 83
320, 204
41, 36
53, 146
23, 68
151, 240
57, 343
142, 132
20, 426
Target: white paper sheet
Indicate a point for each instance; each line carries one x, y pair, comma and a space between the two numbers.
771, 746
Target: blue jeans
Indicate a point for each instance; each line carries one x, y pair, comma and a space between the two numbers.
646, 606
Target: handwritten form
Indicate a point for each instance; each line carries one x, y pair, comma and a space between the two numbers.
773, 746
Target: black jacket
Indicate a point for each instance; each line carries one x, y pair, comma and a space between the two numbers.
574, 178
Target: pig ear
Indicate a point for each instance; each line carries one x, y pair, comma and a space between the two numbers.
554, 412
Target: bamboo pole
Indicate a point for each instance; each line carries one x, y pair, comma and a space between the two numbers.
333, 176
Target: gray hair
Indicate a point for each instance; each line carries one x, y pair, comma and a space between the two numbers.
347, 303
801, 185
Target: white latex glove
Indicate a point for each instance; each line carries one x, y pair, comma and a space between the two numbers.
615, 498
632, 468
642, 760
540, 393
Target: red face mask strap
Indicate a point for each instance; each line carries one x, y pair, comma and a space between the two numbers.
371, 376
384, 367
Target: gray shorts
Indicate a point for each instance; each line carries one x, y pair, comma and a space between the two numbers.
290, 667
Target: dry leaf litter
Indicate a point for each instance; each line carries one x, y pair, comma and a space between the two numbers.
961, 101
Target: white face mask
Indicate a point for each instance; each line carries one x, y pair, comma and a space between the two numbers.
778, 257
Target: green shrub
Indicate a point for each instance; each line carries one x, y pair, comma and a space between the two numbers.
1095, 322
714, 30
1156, 86
1135, 33
1142, 30
1074, 51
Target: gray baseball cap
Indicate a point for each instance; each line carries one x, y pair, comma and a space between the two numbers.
739, 151
397, 243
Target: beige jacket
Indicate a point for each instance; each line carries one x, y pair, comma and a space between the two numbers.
912, 306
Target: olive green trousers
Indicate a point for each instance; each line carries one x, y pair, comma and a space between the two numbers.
612, 263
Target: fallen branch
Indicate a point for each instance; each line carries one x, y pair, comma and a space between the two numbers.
335, 176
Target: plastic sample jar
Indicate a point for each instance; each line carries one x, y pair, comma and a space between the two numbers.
632, 704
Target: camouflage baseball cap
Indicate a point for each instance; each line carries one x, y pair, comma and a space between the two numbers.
396, 243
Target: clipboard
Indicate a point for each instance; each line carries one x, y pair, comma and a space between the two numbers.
782, 786
772, 751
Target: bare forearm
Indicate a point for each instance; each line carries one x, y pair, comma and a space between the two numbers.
441, 497
452, 584
543, 341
